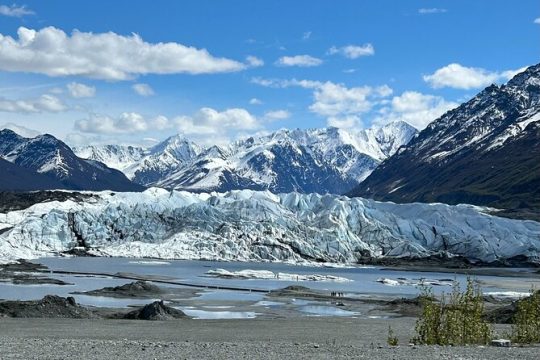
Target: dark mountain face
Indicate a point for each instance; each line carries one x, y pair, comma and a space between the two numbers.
45, 162
485, 152
17, 178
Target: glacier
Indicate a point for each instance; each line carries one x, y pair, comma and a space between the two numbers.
247, 225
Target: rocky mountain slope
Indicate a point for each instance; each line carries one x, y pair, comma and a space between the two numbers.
248, 225
17, 178
318, 160
44, 162
486, 152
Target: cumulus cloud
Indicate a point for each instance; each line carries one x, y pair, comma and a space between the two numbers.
210, 121
205, 121
44, 103
427, 11
108, 56
277, 115
143, 89
353, 51
255, 101
78, 90
342, 106
21, 130
537, 21
415, 108
345, 122
128, 122
15, 11
299, 60
461, 77
254, 61
334, 100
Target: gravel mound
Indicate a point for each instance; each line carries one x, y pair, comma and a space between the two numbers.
51, 306
155, 311
137, 289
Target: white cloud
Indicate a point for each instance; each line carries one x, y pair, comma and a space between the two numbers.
284, 83
159, 123
349, 71
208, 121
21, 130
461, 77
109, 56
78, 90
255, 101
126, 123
353, 51
342, 106
345, 122
334, 100
415, 108
338, 101
15, 11
254, 61
426, 11
306, 35
205, 121
299, 60
537, 20
277, 115
44, 103
143, 89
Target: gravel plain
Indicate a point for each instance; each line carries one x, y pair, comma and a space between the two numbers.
298, 338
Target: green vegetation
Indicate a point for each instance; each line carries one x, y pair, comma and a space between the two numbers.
526, 327
392, 340
456, 321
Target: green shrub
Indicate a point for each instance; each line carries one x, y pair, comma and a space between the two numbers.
456, 321
526, 324
392, 340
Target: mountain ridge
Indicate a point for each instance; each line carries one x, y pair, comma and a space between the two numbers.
54, 165
484, 152
327, 160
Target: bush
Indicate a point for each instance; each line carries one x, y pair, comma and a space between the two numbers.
456, 321
392, 340
526, 324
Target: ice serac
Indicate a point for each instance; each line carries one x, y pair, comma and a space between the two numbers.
248, 225
484, 152
55, 165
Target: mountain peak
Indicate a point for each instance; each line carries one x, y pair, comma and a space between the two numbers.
47, 156
483, 152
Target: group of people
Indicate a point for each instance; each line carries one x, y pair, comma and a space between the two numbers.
336, 294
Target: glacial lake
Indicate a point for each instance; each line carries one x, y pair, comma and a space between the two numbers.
363, 279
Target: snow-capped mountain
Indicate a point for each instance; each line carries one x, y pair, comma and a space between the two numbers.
47, 156
117, 157
144, 165
327, 160
248, 225
486, 151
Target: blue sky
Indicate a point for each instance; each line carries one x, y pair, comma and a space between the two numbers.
74, 68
